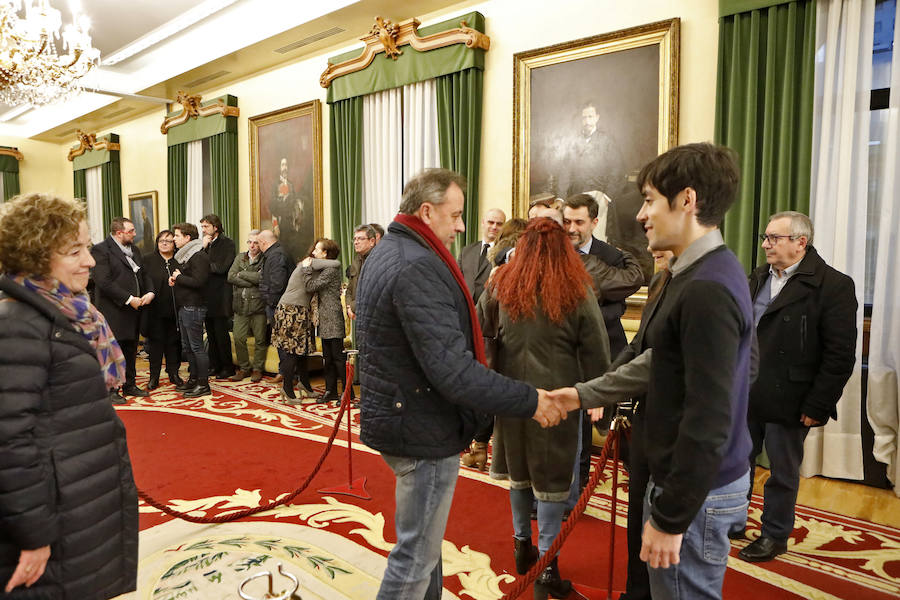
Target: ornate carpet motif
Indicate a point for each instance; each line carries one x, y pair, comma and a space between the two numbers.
337, 546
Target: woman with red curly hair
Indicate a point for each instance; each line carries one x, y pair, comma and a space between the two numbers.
551, 334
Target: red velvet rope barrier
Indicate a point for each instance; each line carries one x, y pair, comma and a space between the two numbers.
523, 582
345, 402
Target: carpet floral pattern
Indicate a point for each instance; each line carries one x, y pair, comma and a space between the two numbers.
337, 545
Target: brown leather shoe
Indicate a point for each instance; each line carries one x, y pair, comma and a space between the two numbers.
239, 375
278, 379
256, 376
476, 457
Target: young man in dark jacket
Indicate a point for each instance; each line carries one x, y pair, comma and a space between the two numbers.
695, 414
221, 252
189, 281
423, 391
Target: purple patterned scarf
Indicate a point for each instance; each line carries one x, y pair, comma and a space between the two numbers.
85, 318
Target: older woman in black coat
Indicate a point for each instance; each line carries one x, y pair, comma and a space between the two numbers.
68, 504
159, 324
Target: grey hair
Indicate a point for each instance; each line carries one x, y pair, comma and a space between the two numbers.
801, 225
429, 186
254, 232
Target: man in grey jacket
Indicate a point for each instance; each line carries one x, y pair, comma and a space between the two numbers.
249, 310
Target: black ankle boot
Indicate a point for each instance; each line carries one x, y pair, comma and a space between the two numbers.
550, 584
526, 555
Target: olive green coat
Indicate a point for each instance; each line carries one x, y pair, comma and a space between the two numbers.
548, 356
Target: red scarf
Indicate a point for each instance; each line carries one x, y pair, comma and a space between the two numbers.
417, 225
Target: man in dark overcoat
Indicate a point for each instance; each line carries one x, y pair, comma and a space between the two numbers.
805, 314
121, 288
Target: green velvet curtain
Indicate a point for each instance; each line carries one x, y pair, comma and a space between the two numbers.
345, 125
80, 184
177, 183
223, 158
111, 174
459, 108
10, 185
764, 109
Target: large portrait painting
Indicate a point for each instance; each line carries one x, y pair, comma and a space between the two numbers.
589, 114
143, 210
286, 175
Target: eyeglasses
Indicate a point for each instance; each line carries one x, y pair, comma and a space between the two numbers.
773, 238
164, 241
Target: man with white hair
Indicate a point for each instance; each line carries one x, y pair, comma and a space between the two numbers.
805, 314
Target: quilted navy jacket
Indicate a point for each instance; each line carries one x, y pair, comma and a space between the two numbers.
423, 392
65, 475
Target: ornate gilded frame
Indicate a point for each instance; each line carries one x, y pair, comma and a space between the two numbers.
665, 34
135, 201
283, 119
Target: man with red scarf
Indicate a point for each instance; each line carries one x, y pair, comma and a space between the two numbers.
425, 388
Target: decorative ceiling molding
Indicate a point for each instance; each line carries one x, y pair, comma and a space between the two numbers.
191, 109
12, 152
89, 141
387, 37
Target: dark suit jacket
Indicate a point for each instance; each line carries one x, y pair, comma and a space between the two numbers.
114, 282
807, 343
273, 278
221, 253
475, 268
616, 276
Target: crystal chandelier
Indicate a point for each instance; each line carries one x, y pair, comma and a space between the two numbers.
31, 70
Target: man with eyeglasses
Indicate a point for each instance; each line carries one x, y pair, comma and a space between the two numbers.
364, 239
805, 313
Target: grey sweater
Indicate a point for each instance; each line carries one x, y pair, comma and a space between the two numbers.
296, 293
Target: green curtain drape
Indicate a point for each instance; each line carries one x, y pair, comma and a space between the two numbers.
111, 175
80, 184
459, 108
10, 185
764, 110
346, 127
223, 168
177, 183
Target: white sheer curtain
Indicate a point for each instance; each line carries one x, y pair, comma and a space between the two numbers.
883, 403
94, 184
382, 156
194, 182
400, 138
420, 128
838, 208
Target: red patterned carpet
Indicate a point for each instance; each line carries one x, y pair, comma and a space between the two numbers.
240, 448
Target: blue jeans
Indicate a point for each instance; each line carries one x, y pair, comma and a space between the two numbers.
424, 492
191, 318
705, 546
549, 517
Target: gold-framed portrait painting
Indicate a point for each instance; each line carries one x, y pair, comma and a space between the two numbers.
588, 115
143, 210
286, 175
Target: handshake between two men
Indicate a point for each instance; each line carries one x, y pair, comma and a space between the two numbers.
554, 406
